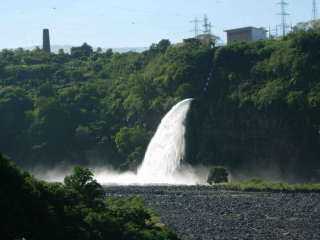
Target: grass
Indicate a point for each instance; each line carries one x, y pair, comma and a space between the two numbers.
257, 185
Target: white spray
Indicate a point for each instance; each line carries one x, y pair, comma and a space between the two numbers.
162, 163
167, 148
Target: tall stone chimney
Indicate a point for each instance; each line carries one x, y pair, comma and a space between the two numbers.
46, 41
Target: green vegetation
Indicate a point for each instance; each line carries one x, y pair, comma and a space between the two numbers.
261, 107
217, 175
77, 209
258, 185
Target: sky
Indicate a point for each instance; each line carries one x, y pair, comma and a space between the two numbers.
133, 23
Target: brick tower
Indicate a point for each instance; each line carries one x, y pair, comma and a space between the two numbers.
46, 41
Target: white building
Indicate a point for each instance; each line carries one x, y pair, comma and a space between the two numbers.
246, 34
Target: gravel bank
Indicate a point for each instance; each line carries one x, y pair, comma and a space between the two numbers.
204, 213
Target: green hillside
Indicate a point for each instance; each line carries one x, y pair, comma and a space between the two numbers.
256, 105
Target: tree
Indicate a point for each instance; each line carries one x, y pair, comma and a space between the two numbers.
52, 123
83, 183
253, 101
131, 142
83, 51
14, 104
217, 175
57, 211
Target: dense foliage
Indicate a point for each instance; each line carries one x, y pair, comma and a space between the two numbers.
77, 209
257, 105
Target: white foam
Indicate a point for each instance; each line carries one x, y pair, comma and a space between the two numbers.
162, 163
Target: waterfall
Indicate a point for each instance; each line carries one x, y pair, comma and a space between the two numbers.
167, 148
162, 161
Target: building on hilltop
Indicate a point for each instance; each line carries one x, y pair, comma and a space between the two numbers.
305, 26
207, 39
46, 41
246, 34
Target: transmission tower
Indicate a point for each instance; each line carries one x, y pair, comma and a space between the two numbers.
196, 27
210, 27
206, 25
314, 10
283, 13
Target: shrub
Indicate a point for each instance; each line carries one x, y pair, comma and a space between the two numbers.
218, 175
77, 209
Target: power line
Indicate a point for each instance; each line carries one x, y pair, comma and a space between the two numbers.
210, 27
314, 10
283, 13
196, 27
206, 25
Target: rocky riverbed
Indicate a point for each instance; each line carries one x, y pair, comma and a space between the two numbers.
200, 212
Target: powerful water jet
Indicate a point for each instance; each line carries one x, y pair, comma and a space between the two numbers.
163, 160
167, 148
